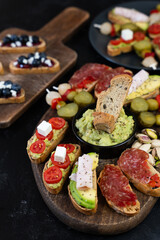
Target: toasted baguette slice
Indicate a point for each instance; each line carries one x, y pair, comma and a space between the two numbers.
110, 102
33, 70
39, 158
19, 99
56, 190
1, 69
37, 48
129, 210
112, 51
81, 209
151, 35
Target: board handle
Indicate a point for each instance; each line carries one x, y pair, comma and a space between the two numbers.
64, 25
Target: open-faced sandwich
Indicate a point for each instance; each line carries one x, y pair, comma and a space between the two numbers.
82, 188
47, 136
13, 43
11, 92
34, 63
59, 164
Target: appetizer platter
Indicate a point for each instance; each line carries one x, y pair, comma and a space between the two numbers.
128, 179
125, 56
34, 60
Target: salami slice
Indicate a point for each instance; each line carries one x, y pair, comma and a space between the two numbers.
115, 187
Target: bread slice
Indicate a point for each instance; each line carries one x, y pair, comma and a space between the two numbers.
1, 69
19, 99
112, 51
49, 148
59, 188
35, 70
130, 210
110, 103
114, 18
81, 209
36, 48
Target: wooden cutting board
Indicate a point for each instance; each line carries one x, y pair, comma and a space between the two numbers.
105, 221
55, 33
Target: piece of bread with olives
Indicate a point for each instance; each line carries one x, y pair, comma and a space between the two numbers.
25, 49
18, 99
53, 188
41, 157
128, 210
115, 51
108, 104
36, 70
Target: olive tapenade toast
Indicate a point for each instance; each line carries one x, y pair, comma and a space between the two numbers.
39, 147
52, 169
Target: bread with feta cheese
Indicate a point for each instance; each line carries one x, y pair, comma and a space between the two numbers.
19, 99
36, 70
25, 49
56, 190
49, 148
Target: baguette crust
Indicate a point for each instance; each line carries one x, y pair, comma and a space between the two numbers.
58, 189
128, 210
104, 121
37, 48
1, 69
35, 70
19, 99
42, 157
81, 209
117, 51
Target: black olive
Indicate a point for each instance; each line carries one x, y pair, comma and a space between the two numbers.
8, 82
6, 92
30, 55
20, 59
16, 87
14, 38
35, 39
42, 55
36, 62
6, 40
1, 95
24, 38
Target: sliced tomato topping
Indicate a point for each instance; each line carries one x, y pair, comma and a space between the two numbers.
154, 11
70, 147
127, 41
85, 82
57, 122
64, 96
38, 146
155, 181
138, 36
60, 164
154, 28
53, 175
116, 41
41, 137
148, 54
156, 40
54, 102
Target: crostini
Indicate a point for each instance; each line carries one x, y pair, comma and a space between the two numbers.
82, 188
54, 167
117, 191
34, 63
47, 136
22, 44
11, 92
143, 175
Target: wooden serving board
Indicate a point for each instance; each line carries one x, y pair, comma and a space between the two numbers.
106, 220
55, 33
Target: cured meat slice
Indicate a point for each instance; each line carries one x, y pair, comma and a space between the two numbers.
115, 187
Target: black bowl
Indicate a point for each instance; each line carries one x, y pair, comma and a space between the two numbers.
104, 151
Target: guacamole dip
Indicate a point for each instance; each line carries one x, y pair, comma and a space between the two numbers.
123, 129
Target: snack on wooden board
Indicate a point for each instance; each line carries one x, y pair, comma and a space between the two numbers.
82, 188
40, 145
22, 44
117, 191
11, 92
143, 176
52, 168
34, 63
109, 105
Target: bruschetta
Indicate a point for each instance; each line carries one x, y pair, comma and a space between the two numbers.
40, 146
52, 167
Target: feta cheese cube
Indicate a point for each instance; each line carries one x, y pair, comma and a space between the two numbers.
13, 45
30, 60
60, 154
48, 62
25, 61
18, 44
127, 34
31, 39
42, 59
36, 55
15, 63
44, 128
14, 93
29, 44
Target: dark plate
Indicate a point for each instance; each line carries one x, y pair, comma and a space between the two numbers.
99, 41
104, 151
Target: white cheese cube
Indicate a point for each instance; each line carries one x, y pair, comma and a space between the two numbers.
30, 60
30, 39
127, 34
48, 62
44, 128
25, 61
13, 45
36, 55
29, 44
8, 86
18, 44
60, 154
42, 59
14, 93
15, 63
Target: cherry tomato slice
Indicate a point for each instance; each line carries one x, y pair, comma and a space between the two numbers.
154, 11
38, 146
116, 41
64, 96
41, 137
54, 102
113, 32
60, 164
154, 28
52, 175
70, 147
138, 36
57, 122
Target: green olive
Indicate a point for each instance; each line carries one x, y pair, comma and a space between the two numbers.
158, 119
83, 98
139, 105
158, 7
147, 119
71, 95
68, 111
152, 104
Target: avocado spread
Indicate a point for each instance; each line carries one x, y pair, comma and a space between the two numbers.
123, 129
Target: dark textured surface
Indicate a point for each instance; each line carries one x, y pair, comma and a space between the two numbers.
23, 213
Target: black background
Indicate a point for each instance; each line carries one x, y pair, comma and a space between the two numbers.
23, 213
